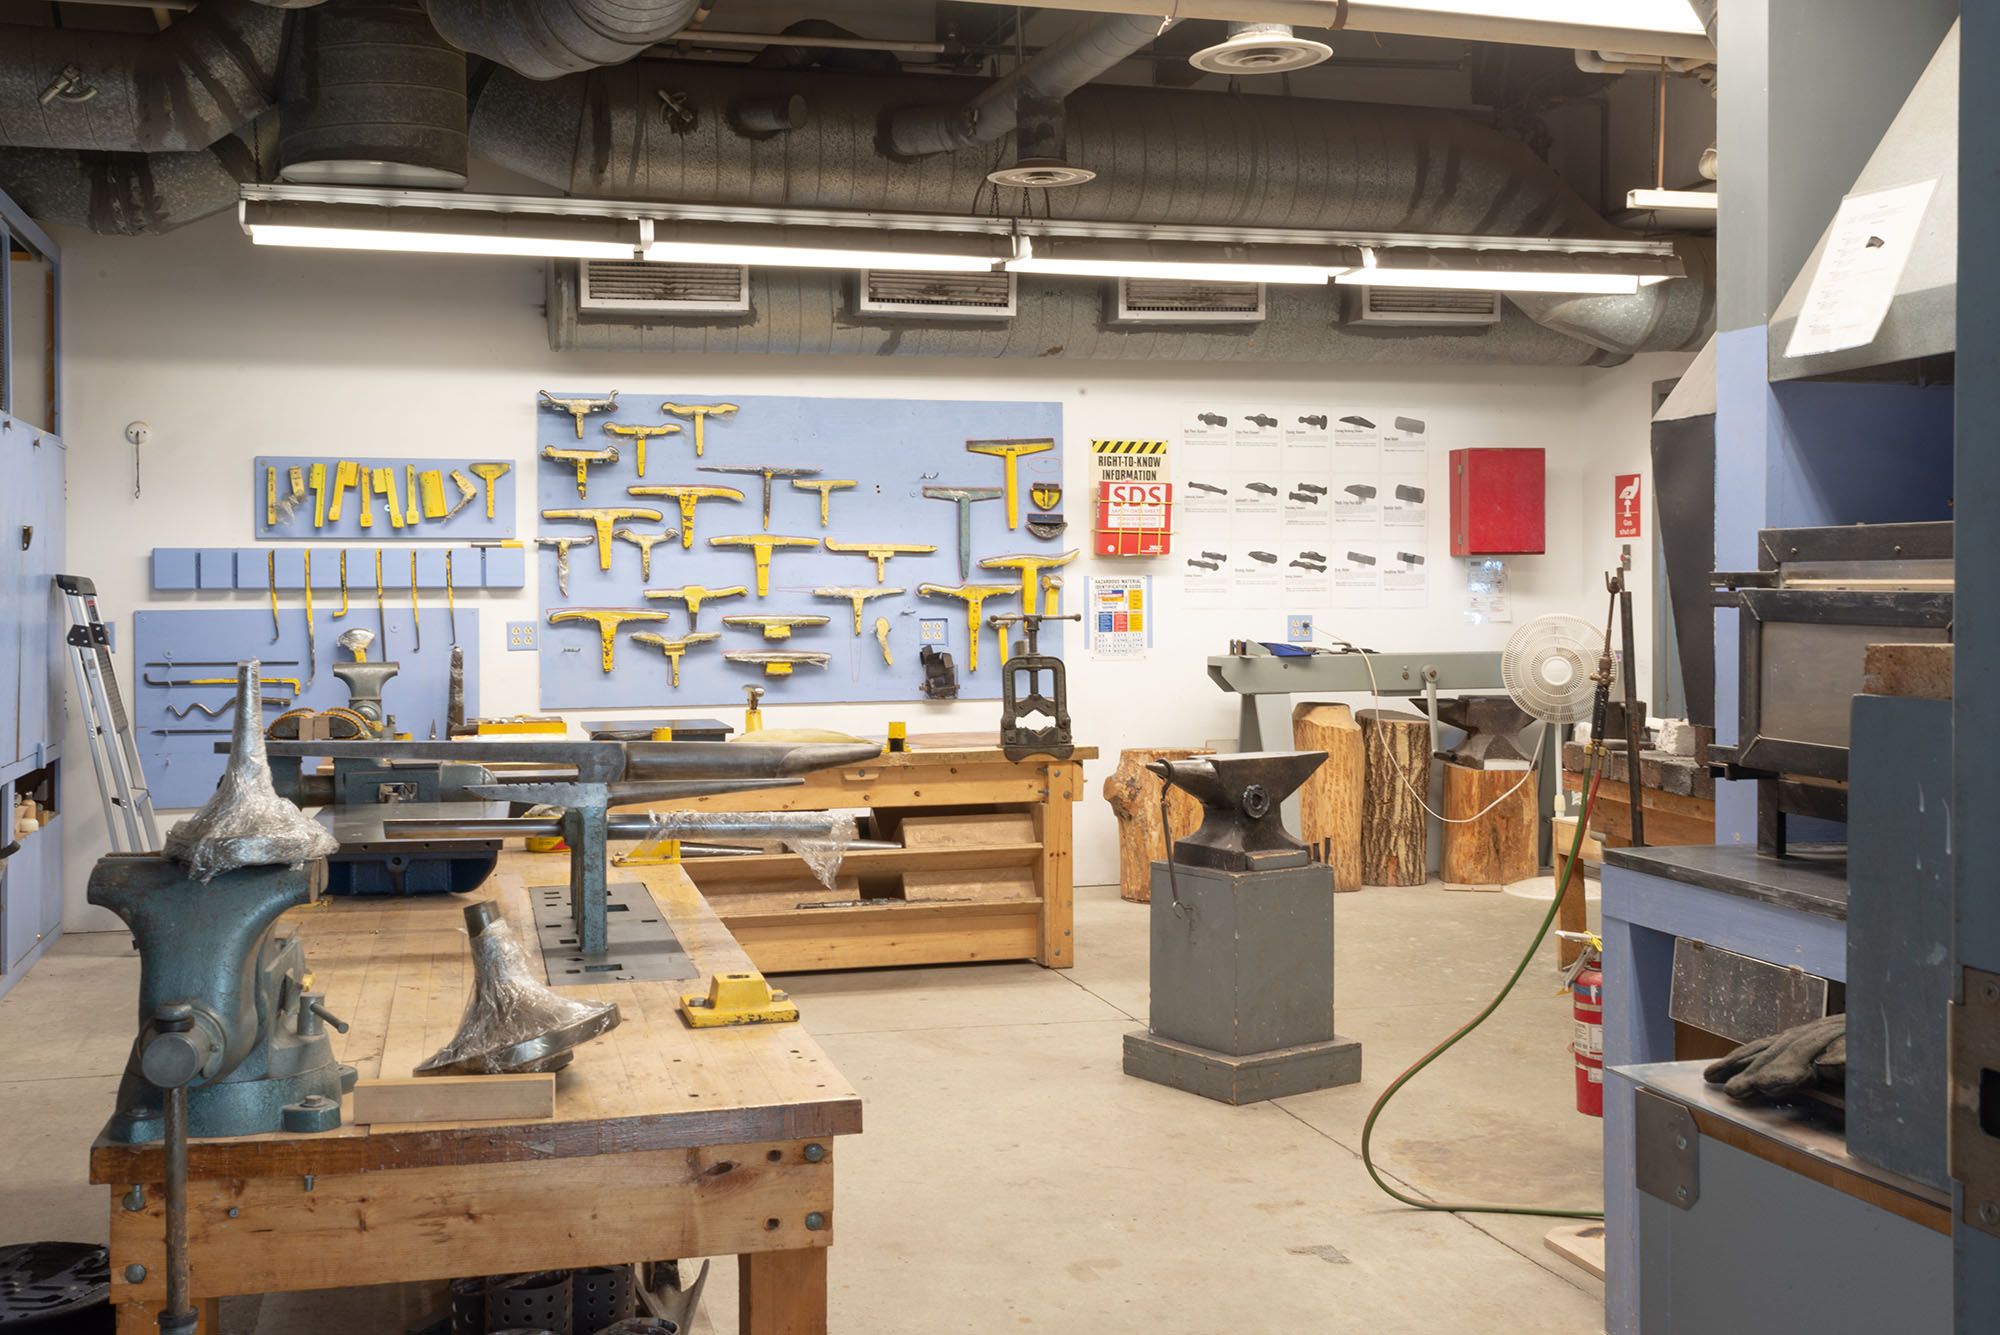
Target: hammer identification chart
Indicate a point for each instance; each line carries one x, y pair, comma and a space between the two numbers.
690, 545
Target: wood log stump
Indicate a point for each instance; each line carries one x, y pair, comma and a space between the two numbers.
1393, 830
1134, 795
1330, 801
1495, 848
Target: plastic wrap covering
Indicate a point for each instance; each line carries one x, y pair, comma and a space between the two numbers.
246, 823
511, 1021
821, 838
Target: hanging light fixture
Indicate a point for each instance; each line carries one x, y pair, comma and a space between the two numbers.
1260, 48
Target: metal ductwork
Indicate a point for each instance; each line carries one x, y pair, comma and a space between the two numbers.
207, 75
1676, 315
125, 194
377, 98
546, 39
1089, 49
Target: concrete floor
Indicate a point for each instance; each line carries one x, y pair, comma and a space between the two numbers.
1011, 1173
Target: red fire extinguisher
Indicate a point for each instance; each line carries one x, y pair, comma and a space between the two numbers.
1586, 986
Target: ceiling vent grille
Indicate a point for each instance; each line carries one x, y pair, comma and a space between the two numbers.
1414, 305
1188, 301
974, 296
642, 287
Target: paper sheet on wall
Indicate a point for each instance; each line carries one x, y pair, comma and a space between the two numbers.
1302, 506
1866, 249
1119, 617
1486, 592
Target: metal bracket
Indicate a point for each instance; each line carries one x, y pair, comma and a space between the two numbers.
1974, 1027
1666, 1150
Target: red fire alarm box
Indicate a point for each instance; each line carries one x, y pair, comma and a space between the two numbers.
1497, 502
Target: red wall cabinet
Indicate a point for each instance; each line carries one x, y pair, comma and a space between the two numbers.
1498, 502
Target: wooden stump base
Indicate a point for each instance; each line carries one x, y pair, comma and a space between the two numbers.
1495, 848
1134, 795
1330, 802
1397, 749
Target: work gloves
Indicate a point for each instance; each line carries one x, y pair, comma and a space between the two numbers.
1773, 1068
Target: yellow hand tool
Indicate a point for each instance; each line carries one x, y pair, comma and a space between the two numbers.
416, 621
385, 487
604, 517
753, 717
582, 459
381, 604
645, 542
639, 435
580, 407
343, 585
270, 497
490, 473
1029, 565
777, 662
431, 483
346, 473
762, 545
1011, 451
316, 478
271, 574
607, 620
450, 597
882, 638
413, 513
973, 596
295, 476
687, 498
737, 998
776, 628
1000, 630
856, 597
698, 413
562, 546
694, 595
673, 649
825, 487
880, 552
293, 683
365, 501
312, 642
467, 493
1052, 586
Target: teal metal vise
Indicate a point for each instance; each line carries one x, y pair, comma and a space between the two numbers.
254, 1053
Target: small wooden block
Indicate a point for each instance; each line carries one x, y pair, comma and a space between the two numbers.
1582, 1244
1920, 671
455, 1098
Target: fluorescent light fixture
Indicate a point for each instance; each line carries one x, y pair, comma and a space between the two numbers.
1704, 200
438, 231
1579, 271
1192, 263
437, 243
814, 257
1481, 280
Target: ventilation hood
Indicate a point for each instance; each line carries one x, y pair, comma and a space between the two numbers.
1921, 145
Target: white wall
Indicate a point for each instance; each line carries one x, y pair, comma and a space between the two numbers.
228, 351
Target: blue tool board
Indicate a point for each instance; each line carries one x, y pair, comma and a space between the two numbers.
468, 524
892, 449
182, 769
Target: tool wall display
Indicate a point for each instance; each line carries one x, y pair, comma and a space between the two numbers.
178, 569
809, 516
182, 698
300, 497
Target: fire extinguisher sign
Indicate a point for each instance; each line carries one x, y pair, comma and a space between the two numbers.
1625, 505
1133, 499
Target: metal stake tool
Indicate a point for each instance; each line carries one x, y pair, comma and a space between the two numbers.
312, 646
416, 619
450, 598
1622, 596
381, 608
271, 578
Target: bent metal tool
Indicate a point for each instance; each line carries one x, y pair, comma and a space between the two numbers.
604, 518
687, 498
673, 649
1029, 565
1010, 451
856, 597
582, 459
645, 542
468, 492
778, 662
776, 627
607, 620
882, 638
764, 471
825, 487
974, 596
580, 406
694, 595
964, 498
561, 546
880, 552
698, 413
639, 435
761, 546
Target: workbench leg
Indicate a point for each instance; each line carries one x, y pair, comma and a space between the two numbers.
143, 1318
781, 1293
1055, 826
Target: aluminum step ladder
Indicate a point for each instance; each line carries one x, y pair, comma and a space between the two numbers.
114, 752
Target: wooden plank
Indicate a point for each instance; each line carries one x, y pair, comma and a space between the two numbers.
1016, 884
1580, 1244
454, 1098
890, 934
1056, 824
275, 1235
880, 784
1663, 828
1921, 671
782, 1293
1677, 804
719, 874
972, 829
1925, 1213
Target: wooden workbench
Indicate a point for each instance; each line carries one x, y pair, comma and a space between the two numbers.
667, 1142
787, 921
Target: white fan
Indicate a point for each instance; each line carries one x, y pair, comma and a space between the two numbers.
1546, 667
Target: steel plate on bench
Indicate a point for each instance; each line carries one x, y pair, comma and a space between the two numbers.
642, 947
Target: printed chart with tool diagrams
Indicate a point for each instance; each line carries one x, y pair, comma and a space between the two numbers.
677, 569
1298, 506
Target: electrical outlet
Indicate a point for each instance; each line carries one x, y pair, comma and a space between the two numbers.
1298, 629
934, 630
521, 636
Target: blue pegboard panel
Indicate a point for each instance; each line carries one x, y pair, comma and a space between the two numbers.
217, 567
182, 768
175, 568
506, 567
249, 568
892, 448
469, 523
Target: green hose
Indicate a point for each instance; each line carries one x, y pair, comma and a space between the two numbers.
1541, 934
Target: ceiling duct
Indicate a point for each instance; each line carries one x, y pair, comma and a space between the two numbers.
379, 100
125, 194
546, 39
1039, 159
1260, 48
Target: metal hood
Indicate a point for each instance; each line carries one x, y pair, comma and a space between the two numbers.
1921, 145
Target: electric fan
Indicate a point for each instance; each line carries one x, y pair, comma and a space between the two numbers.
1546, 667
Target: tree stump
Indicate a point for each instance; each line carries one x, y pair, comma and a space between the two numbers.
1499, 847
1134, 795
1330, 801
1393, 830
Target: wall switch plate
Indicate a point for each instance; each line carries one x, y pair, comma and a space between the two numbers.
521, 636
1298, 629
934, 630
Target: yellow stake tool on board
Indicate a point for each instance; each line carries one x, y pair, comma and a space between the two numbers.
312, 645
381, 606
416, 621
271, 575
343, 585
